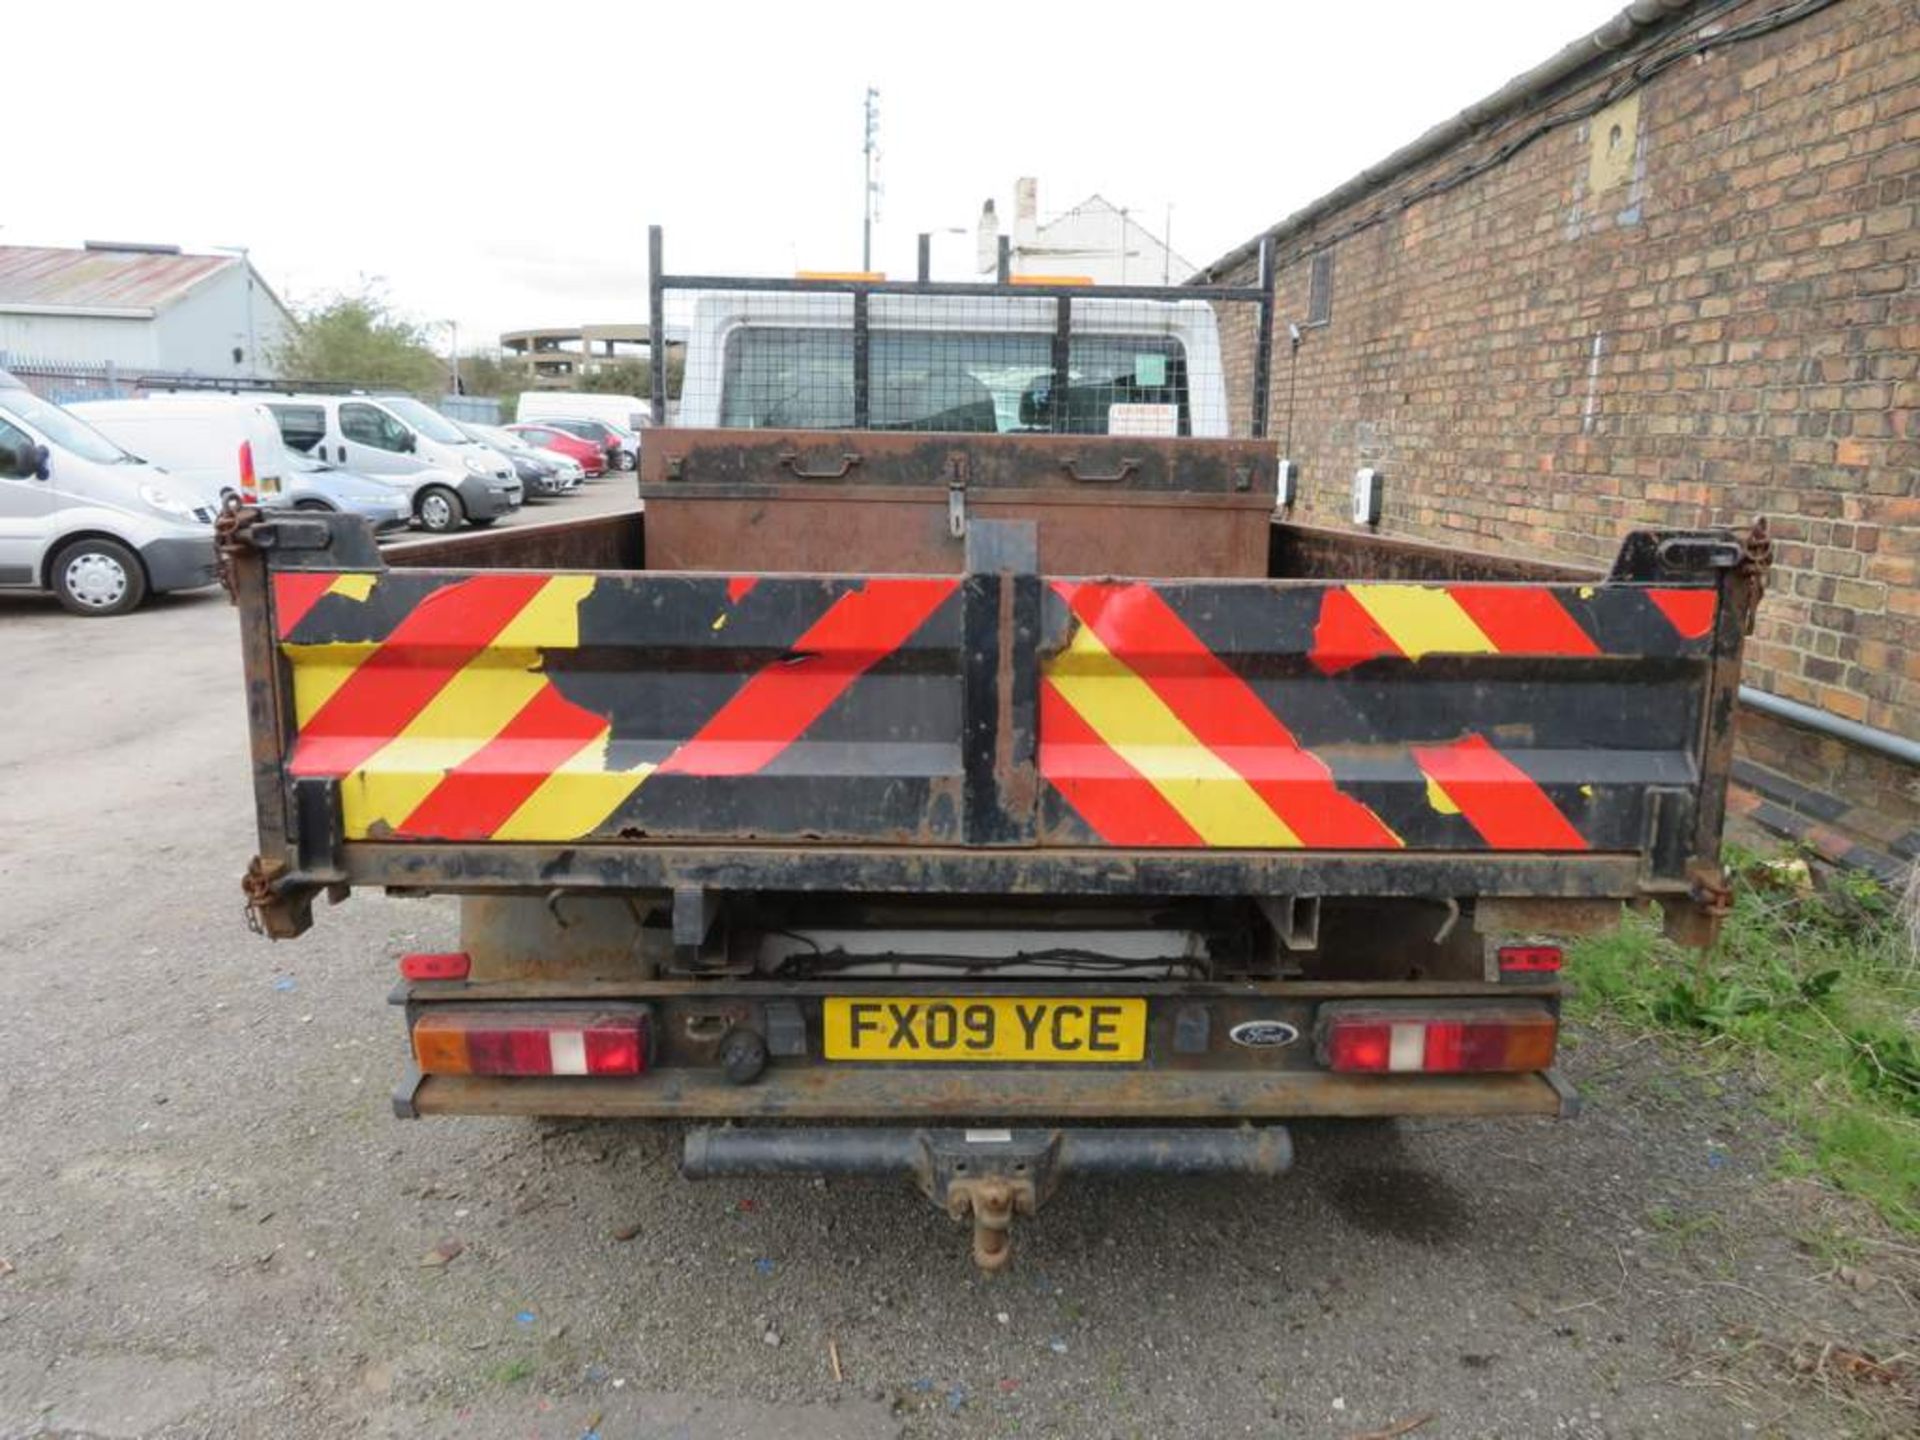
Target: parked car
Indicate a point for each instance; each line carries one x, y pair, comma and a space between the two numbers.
222, 444
217, 444
542, 473
83, 518
396, 436
622, 446
591, 459
626, 412
315, 485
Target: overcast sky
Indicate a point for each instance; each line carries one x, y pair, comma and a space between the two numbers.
498, 164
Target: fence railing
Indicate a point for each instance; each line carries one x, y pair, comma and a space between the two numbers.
65, 382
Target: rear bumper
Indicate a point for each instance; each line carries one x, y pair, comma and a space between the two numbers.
908, 1096
887, 1150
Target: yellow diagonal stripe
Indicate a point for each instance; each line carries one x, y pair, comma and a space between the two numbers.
469, 710
575, 799
551, 619
1142, 729
1422, 620
319, 670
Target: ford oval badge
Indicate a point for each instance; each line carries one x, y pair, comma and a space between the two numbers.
1264, 1034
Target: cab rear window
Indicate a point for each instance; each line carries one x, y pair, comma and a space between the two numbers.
802, 377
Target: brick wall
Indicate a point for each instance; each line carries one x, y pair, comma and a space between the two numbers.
1730, 329
1709, 317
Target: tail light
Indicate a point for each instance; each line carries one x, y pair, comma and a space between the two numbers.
1384, 1040
493, 1041
249, 481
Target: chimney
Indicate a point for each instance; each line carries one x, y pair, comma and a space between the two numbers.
987, 250
1026, 212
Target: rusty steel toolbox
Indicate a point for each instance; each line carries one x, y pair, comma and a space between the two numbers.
951, 804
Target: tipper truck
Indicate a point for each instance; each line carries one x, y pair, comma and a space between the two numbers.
955, 765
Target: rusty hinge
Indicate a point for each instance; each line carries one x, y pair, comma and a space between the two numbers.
1695, 921
258, 884
274, 908
1756, 565
228, 537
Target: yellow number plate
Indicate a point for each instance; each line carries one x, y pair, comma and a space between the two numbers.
985, 1027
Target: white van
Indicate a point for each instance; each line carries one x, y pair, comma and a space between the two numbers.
203, 440
81, 517
219, 444
459, 480
951, 363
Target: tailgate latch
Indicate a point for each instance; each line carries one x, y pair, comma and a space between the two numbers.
957, 496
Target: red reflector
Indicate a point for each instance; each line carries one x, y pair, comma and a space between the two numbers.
248, 481
450, 966
499, 1040
1530, 959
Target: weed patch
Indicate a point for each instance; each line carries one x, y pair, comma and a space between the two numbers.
1814, 982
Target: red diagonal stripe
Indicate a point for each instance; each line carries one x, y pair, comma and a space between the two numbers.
1137, 625
1498, 798
770, 711
481, 793
1689, 611
295, 592
1120, 805
393, 684
1345, 634
1523, 620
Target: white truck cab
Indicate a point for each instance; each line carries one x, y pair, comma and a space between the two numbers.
954, 363
83, 518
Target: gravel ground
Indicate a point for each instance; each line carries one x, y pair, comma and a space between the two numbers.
212, 1225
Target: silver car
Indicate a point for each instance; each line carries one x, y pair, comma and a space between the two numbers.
314, 485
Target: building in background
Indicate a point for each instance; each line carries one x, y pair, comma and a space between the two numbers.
1097, 239
139, 308
1668, 278
556, 357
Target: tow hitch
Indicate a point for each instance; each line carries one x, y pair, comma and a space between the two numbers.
989, 1175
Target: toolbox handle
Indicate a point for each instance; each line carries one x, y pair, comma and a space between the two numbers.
791, 460
1071, 464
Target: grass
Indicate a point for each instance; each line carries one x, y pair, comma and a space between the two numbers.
1815, 984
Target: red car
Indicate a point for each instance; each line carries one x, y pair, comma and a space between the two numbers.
592, 458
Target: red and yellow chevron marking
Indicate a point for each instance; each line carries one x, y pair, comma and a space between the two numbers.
1499, 799
1364, 622
777, 704
1201, 746
450, 729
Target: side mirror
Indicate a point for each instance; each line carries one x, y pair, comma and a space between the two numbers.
409, 443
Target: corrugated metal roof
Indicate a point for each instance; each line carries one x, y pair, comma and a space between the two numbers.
32, 275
